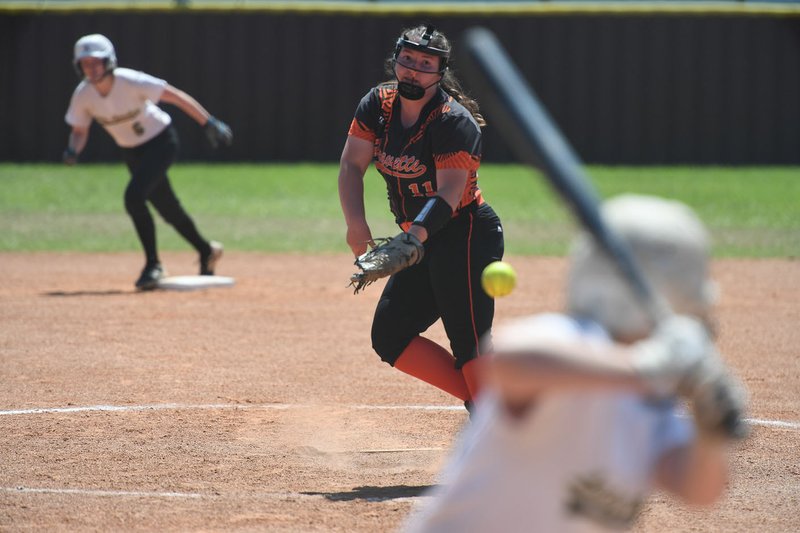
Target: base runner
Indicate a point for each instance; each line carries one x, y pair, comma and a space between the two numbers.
124, 102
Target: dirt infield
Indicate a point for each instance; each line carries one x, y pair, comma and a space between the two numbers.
262, 407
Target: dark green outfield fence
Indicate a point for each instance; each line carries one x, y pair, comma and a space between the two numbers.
627, 87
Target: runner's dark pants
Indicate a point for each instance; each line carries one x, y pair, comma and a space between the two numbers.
148, 164
446, 285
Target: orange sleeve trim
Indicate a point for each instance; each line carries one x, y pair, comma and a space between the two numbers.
360, 130
457, 160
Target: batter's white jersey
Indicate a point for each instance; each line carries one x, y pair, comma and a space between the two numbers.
576, 462
128, 112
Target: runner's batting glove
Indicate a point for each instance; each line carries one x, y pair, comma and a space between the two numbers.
388, 257
218, 132
70, 156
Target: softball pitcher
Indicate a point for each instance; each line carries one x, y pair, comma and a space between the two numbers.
424, 135
124, 102
580, 419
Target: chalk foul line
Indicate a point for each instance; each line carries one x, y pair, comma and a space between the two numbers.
104, 493
287, 406
91, 492
232, 406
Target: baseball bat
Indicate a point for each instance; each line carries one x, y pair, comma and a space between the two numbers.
536, 140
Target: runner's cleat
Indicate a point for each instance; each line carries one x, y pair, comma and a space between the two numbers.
151, 274
209, 262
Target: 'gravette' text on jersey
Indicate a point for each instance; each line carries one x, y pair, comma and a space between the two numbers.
401, 167
446, 136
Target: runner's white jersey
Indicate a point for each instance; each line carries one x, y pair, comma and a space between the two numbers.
128, 112
576, 462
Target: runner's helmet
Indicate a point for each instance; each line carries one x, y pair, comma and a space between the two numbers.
94, 45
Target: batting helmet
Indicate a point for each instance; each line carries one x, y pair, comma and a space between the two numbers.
672, 246
94, 45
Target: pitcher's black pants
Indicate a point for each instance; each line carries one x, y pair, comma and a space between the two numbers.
446, 285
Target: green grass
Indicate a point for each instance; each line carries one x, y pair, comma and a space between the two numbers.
751, 212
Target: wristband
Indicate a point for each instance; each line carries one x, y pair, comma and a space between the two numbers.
434, 215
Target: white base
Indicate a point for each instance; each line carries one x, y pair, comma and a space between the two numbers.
191, 283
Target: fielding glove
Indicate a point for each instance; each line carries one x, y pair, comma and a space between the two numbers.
388, 257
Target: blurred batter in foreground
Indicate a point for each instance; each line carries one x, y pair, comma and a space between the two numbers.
581, 417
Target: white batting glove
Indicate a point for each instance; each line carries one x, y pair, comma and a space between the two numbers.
679, 358
671, 358
719, 400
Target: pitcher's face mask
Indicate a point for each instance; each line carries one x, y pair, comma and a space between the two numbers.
425, 65
419, 57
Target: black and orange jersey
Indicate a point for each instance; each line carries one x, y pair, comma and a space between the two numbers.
445, 136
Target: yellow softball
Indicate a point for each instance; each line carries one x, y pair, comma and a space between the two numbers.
498, 279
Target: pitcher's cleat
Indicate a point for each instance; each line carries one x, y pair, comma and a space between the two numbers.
209, 262
150, 276
469, 405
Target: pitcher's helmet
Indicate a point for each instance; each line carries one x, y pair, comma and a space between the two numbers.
94, 45
671, 245
425, 39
